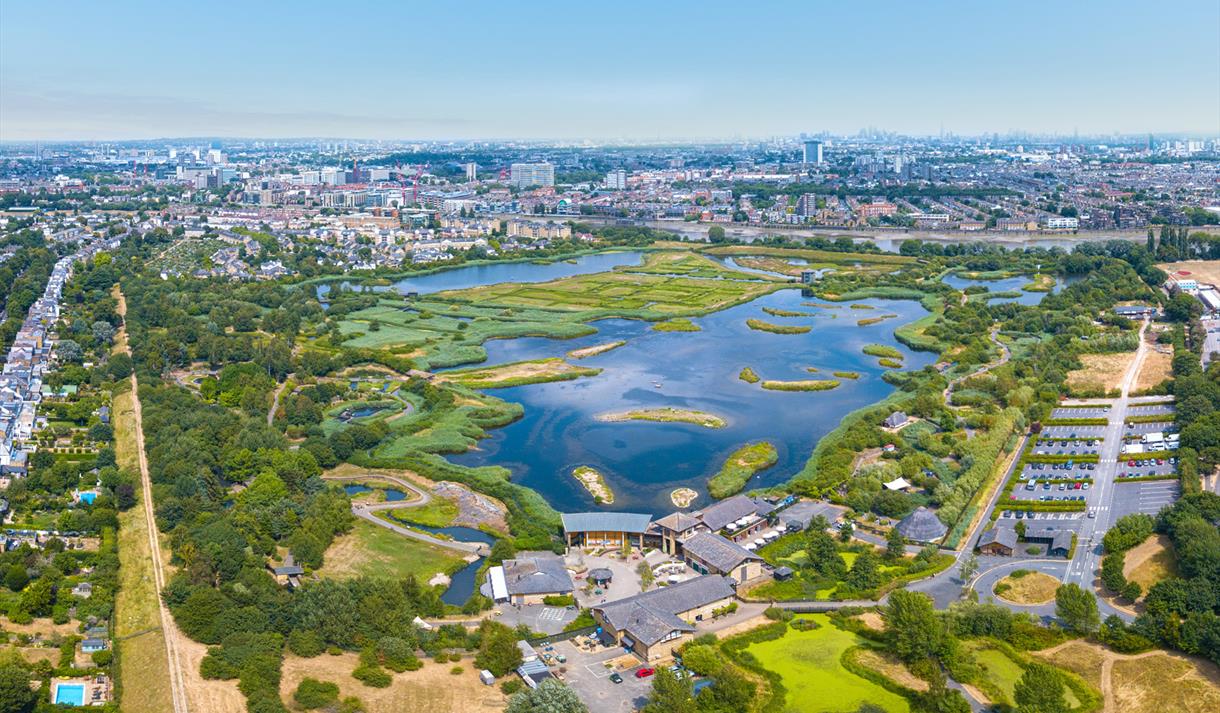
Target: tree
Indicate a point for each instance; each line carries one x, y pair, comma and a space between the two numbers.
671, 694
716, 234
312, 693
1040, 690
103, 332
69, 352
845, 531
969, 566
16, 696
16, 578
1020, 530
863, 574
1077, 608
498, 650
550, 696
895, 545
913, 627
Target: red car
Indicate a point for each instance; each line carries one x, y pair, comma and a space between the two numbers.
645, 672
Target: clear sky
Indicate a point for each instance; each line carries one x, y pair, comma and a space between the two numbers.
606, 70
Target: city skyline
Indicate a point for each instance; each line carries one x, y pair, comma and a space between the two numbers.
640, 73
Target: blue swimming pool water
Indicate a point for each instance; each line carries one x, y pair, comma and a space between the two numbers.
87, 498
72, 694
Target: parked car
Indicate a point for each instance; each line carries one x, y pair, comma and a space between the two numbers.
615, 678
645, 672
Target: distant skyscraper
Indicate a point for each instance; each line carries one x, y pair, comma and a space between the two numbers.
616, 180
472, 172
532, 174
813, 152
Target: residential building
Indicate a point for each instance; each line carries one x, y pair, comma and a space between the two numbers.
812, 152
616, 180
524, 175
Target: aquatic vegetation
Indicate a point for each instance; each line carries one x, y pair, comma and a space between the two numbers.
749, 376
667, 415
739, 467
882, 350
679, 324
774, 312
761, 326
593, 351
801, 385
537, 371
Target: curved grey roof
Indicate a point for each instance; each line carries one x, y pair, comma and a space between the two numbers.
601, 574
922, 526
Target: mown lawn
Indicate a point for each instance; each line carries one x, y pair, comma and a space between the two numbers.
816, 682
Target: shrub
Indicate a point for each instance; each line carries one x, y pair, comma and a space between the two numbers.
778, 614
103, 658
456, 670
511, 686
312, 693
559, 600
373, 676
305, 644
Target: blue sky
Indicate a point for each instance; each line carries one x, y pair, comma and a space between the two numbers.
610, 70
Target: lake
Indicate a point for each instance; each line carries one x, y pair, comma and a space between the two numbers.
460, 278
644, 461
1007, 284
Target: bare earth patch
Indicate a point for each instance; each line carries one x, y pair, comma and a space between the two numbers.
1033, 588
595, 483
1205, 271
1101, 371
1079, 657
1149, 562
872, 620
1161, 683
432, 688
594, 350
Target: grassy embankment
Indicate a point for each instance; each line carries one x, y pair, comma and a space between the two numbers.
667, 415
801, 385
739, 467
761, 326
520, 373
143, 670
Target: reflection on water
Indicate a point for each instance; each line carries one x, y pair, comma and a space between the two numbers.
644, 461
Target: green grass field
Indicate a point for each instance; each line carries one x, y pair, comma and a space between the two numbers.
816, 682
439, 512
1002, 673
369, 550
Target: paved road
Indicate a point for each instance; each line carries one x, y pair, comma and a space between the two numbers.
176, 679
368, 512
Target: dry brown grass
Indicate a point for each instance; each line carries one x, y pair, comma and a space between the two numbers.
1157, 367
432, 689
1150, 562
1081, 658
1162, 683
1207, 271
889, 666
142, 665
872, 620
1101, 371
1033, 588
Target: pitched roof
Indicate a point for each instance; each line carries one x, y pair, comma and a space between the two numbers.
726, 511
678, 521
720, 553
999, 535
922, 525
1062, 540
605, 522
650, 616
536, 575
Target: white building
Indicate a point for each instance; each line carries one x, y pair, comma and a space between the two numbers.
616, 180
523, 175
1060, 223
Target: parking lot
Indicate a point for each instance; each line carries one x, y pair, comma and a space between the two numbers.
1145, 466
1075, 447
1073, 431
1150, 410
1081, 412
1146, 497
1058, 471
1139, 429
587, 674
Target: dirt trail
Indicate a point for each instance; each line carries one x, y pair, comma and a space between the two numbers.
1107, 667
173, 637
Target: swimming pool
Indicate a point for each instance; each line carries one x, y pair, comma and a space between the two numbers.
72, 694
88, 497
